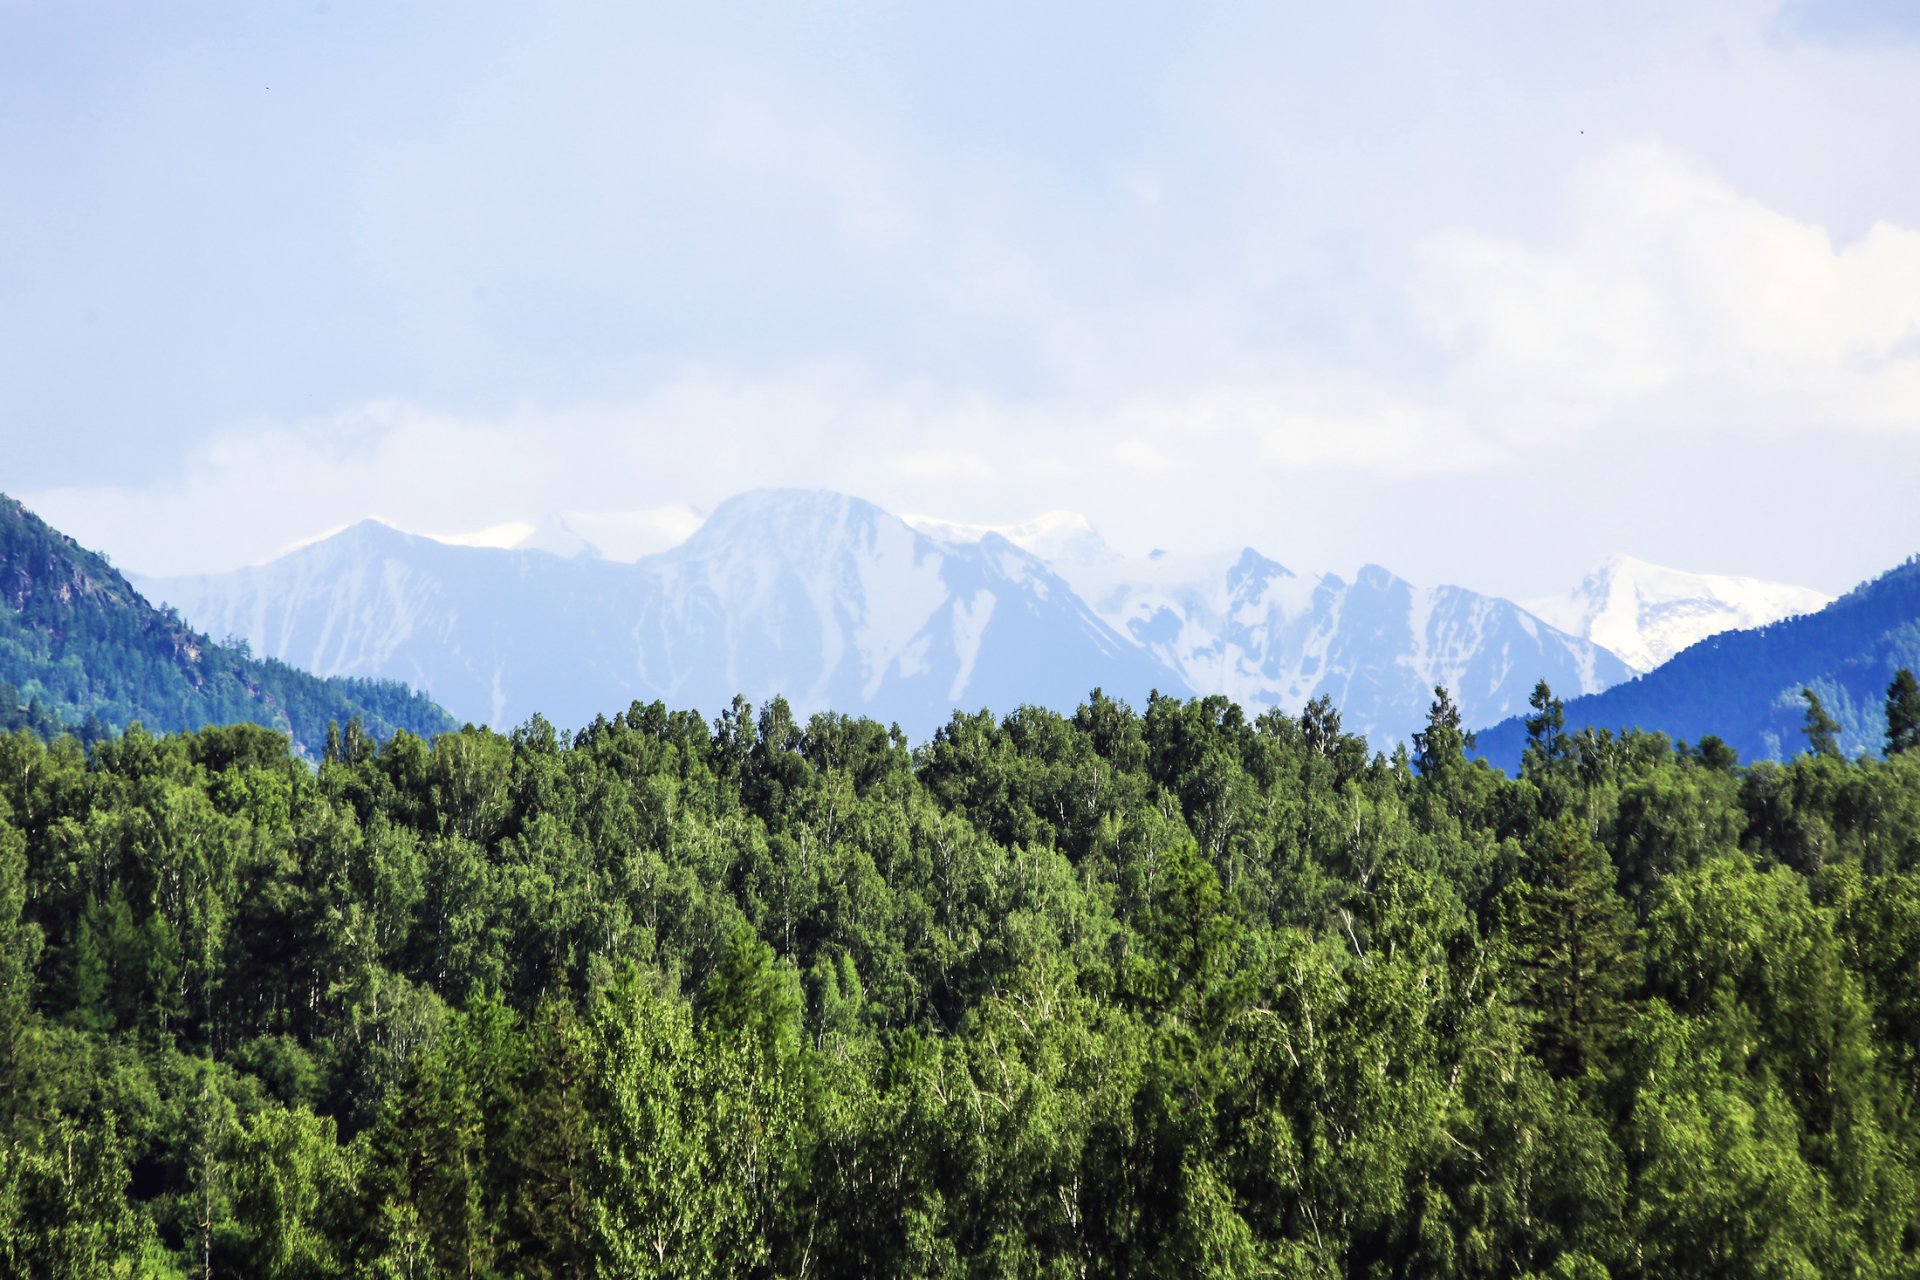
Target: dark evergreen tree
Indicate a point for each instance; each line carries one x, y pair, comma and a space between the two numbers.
1822, 730
1715, 754
1442, 744
1573, 947
1903, 713
1546, 728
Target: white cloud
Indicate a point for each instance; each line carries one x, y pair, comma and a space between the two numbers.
509, 534
1673, 298
942, 464
629, 478
1662, 297
1296, 428
255, 490
628, 535
1144, 455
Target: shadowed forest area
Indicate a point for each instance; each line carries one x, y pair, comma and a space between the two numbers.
1150, 993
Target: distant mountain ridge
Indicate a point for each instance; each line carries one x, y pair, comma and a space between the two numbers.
1247, 626
81, 649
1644, 613
822, 598
1064, 539
1745, 686
837, 604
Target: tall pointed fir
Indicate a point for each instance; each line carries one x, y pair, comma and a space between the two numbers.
1903, 713
1822, 730
1443, 743
1571, 941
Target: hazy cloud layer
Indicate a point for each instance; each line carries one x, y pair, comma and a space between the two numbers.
1628, 280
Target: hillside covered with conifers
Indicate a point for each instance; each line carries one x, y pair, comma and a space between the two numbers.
1156, 993
1747, 687
81, 650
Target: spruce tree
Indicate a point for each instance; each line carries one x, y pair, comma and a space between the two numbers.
1548, 725
1903, 712
1822, 730
1442, 743
1572, 944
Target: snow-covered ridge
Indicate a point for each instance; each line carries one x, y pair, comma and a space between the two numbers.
822, 598
1063, 538
838, 604
626, 536
1645, 613
1247, 626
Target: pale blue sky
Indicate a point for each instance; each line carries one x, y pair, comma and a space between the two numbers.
1484, 295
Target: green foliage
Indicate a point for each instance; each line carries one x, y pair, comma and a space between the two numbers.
1159, 993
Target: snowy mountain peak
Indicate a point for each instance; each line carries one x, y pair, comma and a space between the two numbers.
1375, 577
1062, 538
1253, 572
786, 521
834, 602
1645, 613
372, 535
1245, 625
823, 598
556, 536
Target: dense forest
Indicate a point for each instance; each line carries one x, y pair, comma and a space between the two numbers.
1161, 992
80, 650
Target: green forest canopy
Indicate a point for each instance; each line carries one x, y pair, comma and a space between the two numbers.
1161, 993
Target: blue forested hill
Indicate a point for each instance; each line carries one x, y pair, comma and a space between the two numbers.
1744, 686
81, 649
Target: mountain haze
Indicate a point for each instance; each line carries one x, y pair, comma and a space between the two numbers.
834, 603
822, 598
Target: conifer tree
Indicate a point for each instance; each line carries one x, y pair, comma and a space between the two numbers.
1547, 726
1822, 730
1572, 943
1442, 743
1903, 712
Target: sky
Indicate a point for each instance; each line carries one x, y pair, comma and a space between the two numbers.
1484, 292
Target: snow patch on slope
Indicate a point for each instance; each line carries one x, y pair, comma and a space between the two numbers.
1245, 625
1645, 613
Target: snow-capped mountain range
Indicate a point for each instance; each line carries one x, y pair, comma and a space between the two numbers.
1645, 614
825, 599
837, 604
1241, 624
